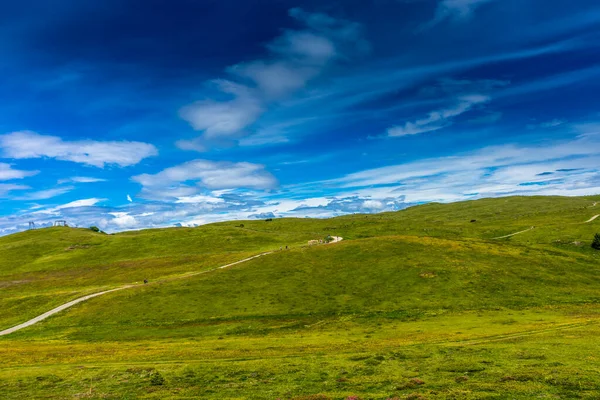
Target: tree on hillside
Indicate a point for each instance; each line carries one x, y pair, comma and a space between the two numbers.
94, 228
596, 242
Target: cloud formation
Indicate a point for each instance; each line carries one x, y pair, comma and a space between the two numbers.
7, 173
294, 58
6, 188
187, 194
80, 179
26, 144
438, 119
46, 194
223, 119
189, 178
488, 172
454, 10
60, 209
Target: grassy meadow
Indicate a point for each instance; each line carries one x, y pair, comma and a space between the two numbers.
423, 303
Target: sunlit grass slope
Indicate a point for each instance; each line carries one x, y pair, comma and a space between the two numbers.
421, 302
402, 276
46, 267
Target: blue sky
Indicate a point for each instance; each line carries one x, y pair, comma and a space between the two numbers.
127, 115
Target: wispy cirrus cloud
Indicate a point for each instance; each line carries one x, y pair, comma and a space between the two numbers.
438, 119
81, 179
46, 194
454, 10
77, 204
461, 95
7, 188
7, 173
488, 172
294, 58
27, 144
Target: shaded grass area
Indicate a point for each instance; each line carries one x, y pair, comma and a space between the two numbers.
494, 354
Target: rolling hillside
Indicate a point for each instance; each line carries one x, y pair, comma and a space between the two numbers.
434, 301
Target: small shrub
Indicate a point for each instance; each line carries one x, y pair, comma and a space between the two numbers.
517, 378
460, 379
269, 219
241, 225
411, 384
596, 242
417, 381
94, 229
372, 362
156, 379
188, 373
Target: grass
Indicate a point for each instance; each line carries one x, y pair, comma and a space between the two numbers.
421, 302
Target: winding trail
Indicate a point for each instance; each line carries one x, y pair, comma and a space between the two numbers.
336, 239
58, 309
91, 296
591, 219
513, 234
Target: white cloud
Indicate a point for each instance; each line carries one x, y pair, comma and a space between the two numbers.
191, 145
276, 79
81, 203
565, 167
294, 58
227, 119
6, 188
129, 199
440, 118
456, 10
548, 125
80, 179
568, 167
123, 220
26, 144
199, 199
46, 194
7, 173
552, 124
56, 211
206, 174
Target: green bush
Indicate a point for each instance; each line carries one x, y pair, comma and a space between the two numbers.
156, 379
596, 242
94, 228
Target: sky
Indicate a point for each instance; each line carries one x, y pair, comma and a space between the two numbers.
126, 115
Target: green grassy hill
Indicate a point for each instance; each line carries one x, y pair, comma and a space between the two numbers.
426, 294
